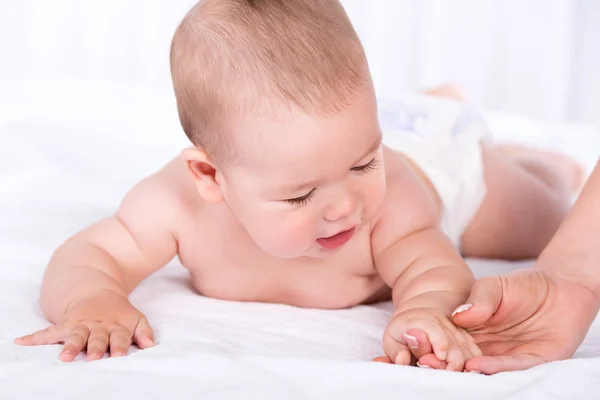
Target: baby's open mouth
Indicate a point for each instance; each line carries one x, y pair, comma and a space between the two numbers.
337, 240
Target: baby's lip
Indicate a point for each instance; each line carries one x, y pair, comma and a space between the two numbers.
337, 240
339, 232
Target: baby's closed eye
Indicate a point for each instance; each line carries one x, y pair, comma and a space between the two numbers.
370, 166
302, 200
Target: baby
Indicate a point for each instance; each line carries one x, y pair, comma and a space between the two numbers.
290, 196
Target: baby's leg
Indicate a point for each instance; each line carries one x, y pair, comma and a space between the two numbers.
449, 90
528, 196
554, 168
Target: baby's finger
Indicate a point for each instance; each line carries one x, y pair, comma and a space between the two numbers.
456, 357
120, 340
465, 343
403, 356
50, 335
473, 348
97, 343
143, 334
397, 352
75, 342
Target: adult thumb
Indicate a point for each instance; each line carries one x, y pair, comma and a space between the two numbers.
481, 305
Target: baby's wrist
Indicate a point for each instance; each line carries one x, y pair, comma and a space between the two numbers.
445, 301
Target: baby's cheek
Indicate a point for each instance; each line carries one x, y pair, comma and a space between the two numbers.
295, 232
287, 235
374, 196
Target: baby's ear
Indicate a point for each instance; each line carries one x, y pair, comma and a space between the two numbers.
203, 173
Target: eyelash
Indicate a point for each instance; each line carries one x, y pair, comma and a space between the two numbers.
301, 201
367, 167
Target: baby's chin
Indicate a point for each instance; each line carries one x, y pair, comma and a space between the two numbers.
313, 251
316, 251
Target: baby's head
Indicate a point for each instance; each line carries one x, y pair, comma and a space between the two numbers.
277, 98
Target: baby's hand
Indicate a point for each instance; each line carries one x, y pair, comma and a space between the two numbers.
99, 323
431, 337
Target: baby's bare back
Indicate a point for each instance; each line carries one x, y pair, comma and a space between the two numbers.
225, 263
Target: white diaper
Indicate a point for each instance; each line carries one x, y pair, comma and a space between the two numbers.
444, 138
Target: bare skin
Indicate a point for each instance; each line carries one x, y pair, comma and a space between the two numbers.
561, 295
541, 314
226, 234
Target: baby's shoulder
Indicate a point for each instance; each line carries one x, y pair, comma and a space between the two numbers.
410, 203
405, 181
167, 195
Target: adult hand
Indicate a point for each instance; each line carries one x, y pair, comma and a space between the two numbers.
526, 318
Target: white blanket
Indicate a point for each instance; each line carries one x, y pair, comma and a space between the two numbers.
68, 154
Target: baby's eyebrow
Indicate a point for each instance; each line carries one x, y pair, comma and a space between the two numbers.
298, 187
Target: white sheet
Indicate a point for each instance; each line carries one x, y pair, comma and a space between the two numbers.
67, 155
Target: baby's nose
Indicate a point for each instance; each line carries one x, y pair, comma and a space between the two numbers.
345, 207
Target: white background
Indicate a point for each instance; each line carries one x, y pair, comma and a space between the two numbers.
536, 57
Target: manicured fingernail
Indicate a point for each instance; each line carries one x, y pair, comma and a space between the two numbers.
412, 341
462, 308
67, 352
423, 366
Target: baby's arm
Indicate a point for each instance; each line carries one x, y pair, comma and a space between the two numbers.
428, 277
87, 282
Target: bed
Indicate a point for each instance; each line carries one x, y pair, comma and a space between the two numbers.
69, 150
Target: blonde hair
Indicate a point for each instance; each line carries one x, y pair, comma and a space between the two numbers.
233, 56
